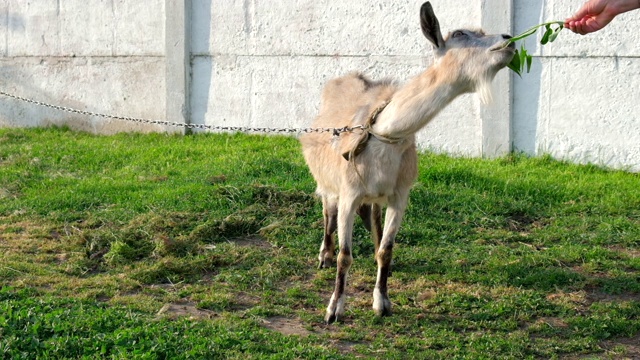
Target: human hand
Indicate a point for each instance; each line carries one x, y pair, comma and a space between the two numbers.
596, 14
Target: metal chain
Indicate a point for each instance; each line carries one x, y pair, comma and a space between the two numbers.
266, 130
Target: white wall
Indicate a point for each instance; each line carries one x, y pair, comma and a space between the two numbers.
96, 55
263, 63
581, 100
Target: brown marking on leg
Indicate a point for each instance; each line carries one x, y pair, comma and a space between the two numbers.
336, 305
344, 264
395, 210
328, 247
382, 304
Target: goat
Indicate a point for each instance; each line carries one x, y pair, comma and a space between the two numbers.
360, 172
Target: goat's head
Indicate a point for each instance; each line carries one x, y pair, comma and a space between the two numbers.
470, 58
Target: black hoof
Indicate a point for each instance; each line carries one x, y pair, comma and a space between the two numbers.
384, 313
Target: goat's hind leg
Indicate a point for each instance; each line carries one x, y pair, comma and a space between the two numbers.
376, 226
328, 246
371, 215
364, 211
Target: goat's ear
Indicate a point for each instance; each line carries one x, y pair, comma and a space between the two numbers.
431, 26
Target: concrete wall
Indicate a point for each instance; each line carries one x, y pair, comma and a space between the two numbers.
258, 63
580, 102
97, 55
264, 63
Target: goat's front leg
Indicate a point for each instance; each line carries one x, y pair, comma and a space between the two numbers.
346, 213
328, 247
384, 255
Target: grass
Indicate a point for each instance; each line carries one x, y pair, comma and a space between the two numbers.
205, 246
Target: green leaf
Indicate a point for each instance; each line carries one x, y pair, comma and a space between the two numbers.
522, 59
554, 35
523, 56
515, 69
545, 37
515, 64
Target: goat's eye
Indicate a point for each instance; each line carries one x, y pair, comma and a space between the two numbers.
458, 33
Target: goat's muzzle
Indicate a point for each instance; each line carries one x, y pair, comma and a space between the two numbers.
505, 45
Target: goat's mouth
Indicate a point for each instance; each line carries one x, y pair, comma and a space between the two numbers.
504, 46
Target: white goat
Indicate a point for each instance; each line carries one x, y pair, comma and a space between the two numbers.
359, 172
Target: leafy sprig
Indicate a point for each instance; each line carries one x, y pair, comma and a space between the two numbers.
522, 58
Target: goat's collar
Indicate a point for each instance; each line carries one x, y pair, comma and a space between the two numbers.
374, 115
368, 132
385, 139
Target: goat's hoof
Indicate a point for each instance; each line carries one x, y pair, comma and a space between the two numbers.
333, 316
335, 310
381, 304
330, 319
325, 264
383, 312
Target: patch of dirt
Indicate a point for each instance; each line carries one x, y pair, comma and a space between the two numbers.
7, 194
553, 322
631, 348
523, 223
632, 253
26, 237
252, 241
244, 301
217, 179
582, 300
619, 349
594, 297
286, 326
345, 347
185, 309
255, 241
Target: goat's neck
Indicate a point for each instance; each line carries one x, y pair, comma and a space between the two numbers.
415, 104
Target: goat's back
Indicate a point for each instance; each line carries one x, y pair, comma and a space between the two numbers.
344, 97
346, 101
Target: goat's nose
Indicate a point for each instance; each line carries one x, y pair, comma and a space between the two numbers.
506, 36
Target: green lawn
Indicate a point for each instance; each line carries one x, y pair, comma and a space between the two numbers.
205, 246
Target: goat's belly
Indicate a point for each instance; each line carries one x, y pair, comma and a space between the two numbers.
373, 184
380, 170
380, 184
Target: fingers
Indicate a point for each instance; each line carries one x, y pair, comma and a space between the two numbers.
587, 9
581, 14
586, 25
575, 26
581, 28
596, 14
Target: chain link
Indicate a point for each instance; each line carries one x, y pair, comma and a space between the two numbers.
244, 129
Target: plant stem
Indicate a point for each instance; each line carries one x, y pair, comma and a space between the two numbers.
532, 30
